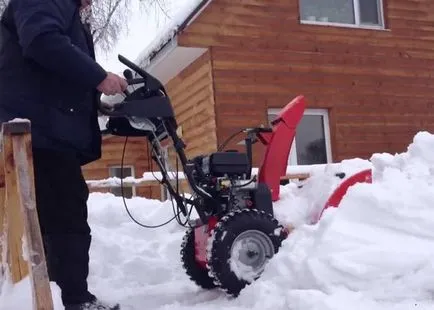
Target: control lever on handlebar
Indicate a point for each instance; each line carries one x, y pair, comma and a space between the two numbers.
133, 66
136, 81
151, 83
128, 76
131, 81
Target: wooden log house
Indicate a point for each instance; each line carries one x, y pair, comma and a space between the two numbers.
365, 67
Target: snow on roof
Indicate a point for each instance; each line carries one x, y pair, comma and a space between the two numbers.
167, 33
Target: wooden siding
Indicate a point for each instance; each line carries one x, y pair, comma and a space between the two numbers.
135, 155
192, 97
377, 84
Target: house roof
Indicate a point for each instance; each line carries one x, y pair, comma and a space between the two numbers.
168, 34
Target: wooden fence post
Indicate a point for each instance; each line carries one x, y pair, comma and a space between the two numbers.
24, 251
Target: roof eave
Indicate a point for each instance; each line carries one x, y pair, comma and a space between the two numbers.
190, 18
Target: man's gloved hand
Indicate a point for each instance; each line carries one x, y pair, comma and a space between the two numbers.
113, 84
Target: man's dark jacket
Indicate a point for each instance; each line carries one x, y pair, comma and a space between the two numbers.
48, 75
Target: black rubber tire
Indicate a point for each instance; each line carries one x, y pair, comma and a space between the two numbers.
197, 273
225, 233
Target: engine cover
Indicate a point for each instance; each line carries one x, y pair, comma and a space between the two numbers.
225, 163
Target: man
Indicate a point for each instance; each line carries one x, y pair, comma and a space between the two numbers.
48, 75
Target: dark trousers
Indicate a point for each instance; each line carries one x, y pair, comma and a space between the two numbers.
61, 199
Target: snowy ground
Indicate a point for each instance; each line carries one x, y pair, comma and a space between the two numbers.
374, 252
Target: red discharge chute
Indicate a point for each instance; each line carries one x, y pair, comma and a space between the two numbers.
279, 143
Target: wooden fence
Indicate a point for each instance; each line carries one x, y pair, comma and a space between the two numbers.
21, 250
149, 180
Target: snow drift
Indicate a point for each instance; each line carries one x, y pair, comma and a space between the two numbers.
374, 252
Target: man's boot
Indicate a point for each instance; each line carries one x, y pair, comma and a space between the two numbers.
94, 304
70, 252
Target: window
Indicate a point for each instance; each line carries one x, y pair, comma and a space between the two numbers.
127, 171
365, 13
312, 139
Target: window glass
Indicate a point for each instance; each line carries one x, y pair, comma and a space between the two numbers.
118, 172
126, 172
333, 11
369, 13
310, 141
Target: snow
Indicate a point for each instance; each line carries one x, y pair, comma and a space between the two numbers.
373, 252
241, 270
165, 34
19, 120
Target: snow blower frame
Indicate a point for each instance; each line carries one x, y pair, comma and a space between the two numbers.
236, 233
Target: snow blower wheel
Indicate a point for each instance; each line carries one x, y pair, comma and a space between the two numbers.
240, 246
197, 273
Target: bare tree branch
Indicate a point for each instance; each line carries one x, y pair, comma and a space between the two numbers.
3, 4
161, 6
109, 18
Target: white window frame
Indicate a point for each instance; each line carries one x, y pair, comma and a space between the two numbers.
292, 159
356, 24
133, 175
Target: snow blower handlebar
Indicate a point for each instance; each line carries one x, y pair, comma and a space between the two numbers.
220, 181
150, 82
147, 111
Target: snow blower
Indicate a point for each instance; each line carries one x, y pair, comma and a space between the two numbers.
236, 233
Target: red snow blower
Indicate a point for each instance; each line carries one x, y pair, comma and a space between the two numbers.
235, 234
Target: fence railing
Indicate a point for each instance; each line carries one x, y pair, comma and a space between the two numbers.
151, 178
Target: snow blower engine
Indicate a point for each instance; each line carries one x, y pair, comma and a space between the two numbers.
235, 234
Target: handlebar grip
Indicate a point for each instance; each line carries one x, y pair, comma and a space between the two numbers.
132, 66
136, 81
133, 82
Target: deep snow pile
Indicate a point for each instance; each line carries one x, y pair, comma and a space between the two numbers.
374, 252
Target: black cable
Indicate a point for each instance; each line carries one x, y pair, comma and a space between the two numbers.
150, 165
123, 197
178, 219
178, 212
229, 139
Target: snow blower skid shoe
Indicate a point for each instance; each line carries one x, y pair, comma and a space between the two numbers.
235, 234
